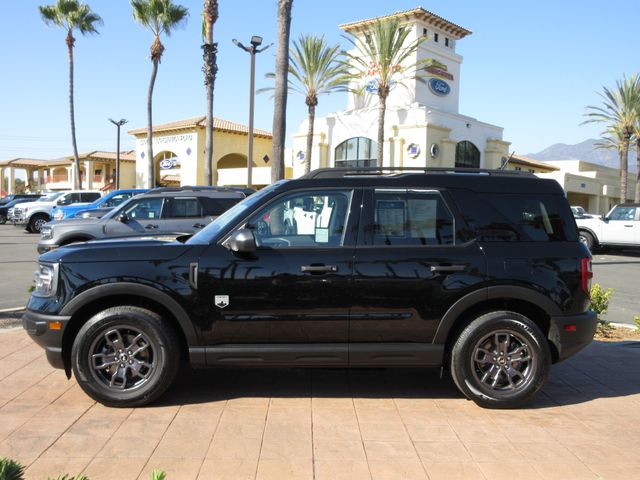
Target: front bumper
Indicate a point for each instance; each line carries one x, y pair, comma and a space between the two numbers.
19, 219
571, 333
38, 326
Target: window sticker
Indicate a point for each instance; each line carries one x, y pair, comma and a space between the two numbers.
390, 221
322, 235
422, 218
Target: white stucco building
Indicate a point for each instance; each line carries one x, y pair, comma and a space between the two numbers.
423, 125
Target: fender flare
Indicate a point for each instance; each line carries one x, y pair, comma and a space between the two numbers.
591, 232
145, 291
510, 292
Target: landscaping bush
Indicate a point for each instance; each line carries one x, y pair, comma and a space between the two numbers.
10, 469
600, 299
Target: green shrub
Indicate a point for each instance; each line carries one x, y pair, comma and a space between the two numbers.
10, 469
158, 475
636, 320
600, 299
67, 477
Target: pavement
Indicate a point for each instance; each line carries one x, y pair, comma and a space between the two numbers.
325, 424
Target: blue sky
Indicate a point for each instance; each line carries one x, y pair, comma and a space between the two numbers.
530, 67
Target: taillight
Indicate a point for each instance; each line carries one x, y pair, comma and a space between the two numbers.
586, 274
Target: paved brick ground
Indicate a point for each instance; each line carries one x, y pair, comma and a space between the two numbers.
325, 424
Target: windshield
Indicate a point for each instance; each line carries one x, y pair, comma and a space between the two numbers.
211, 231
50, 197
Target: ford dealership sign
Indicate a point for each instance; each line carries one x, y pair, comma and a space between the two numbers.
439, 87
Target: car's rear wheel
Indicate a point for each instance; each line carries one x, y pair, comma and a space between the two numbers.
125, 356
36, 223
500, 360
586, 239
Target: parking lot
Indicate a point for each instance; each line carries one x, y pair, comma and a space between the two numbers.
612, 269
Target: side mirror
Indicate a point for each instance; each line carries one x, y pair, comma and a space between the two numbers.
61, 202
242, 241
123, 217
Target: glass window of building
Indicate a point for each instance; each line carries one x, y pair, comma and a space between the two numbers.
467, 155
356, 152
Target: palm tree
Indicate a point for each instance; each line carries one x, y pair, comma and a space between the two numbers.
619, 113
382, 52
71, 15
280, 95
159, 16
210, 15
315, 69
636, 133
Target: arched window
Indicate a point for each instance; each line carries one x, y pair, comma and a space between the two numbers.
167, 169
356, 152
467, 155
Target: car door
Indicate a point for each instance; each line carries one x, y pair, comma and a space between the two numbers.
409, 268
295, 288
621, 226
184, 214
139, 217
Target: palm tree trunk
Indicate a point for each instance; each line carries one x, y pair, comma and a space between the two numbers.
382, 108
624, 155
210, 69
154, 72
280, 95
637, 194
307, 155
77, 181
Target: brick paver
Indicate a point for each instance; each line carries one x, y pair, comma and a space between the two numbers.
325, 424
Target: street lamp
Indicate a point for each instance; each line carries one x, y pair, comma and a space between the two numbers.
118, 124
256, 41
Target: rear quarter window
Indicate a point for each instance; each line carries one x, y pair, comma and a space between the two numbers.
517, 217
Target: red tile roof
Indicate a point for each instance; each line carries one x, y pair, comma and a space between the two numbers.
201, 121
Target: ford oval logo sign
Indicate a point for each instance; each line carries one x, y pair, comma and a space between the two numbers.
167, 163
439, 87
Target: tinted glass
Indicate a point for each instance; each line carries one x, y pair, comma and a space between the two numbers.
89, 196
411, 217
117, 199
304, 219
187, 207
217, 206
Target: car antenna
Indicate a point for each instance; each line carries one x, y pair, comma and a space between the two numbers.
505, 161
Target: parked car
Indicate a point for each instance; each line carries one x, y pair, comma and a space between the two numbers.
15, 196
105, 204
480, 272
618, 228
161, 211
33, 215
4, 208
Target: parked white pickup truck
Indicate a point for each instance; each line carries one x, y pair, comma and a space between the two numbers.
33, 215
618, 228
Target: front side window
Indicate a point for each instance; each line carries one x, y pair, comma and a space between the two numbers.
303, 219
117, 199
89, 196
411, 217
623, 213
145, 209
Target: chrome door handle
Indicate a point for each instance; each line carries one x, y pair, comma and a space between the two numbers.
150, 226
198, 225
447, 268
318, 268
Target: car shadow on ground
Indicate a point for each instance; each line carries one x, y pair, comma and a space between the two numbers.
603, 370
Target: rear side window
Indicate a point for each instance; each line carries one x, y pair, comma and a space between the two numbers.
517, 217
214, 207
410, 217
187, 207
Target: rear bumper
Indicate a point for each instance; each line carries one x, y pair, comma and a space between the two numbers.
571, 333
37, 326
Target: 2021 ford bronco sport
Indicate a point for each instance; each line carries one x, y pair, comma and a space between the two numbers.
477, 271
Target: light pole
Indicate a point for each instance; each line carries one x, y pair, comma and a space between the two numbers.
253, 50
118, 124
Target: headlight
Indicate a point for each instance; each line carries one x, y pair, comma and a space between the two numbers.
46, 232
59, 215
46, 280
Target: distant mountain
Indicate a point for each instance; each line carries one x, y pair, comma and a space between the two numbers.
583, 151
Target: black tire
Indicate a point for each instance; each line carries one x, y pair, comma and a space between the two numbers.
587, 239
3, 219
126, 379
36, 222
515, 381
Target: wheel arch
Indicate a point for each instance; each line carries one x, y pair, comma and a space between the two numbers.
96, 299
522, 300
75, 238
590, 232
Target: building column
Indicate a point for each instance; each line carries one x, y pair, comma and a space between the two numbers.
11, 187
495, 151
447, 157
2, 192
88, 168
396, 151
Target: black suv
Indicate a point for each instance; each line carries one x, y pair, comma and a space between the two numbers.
478, 271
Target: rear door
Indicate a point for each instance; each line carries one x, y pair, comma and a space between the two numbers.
409, 269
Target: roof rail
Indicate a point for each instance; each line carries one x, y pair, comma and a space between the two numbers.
201, 188
339, 172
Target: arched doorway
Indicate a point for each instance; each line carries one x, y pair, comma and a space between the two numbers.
232, 169
467, 155
167, 169
356, 152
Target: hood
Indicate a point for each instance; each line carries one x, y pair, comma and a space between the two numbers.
33, 204
76, 222
148, 248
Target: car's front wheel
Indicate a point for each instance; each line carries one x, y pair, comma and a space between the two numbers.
500, 360
125, 356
